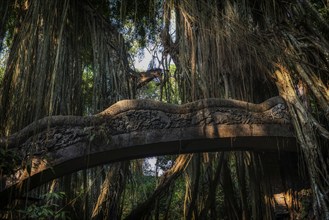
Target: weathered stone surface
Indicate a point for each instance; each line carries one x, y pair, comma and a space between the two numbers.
129, 129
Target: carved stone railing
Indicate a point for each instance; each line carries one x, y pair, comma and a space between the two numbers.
59, 145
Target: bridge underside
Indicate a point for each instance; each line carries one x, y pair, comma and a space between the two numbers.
134, 129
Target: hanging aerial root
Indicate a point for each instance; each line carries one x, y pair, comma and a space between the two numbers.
303, 125
167, 179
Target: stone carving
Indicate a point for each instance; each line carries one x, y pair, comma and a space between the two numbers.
141, 115
48, 138
134, 120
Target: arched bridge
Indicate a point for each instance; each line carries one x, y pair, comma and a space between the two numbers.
59, 145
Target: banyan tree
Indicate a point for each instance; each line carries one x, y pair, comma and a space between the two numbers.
75, 57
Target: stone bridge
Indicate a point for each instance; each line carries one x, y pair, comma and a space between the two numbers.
59, 145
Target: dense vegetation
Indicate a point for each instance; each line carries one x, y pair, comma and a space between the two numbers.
75, 57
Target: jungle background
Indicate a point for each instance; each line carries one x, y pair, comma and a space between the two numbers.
76, 57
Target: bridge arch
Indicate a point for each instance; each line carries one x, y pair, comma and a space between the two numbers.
132, 129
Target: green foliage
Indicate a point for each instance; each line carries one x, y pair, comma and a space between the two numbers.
47, 211
170, 91
4, 47
145, 15
322, 8
136, 191
2, 72
177, 202
3, 60
150, 91
173, 86
87, 90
